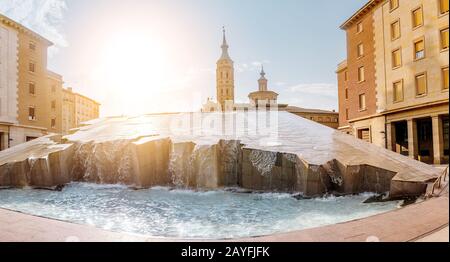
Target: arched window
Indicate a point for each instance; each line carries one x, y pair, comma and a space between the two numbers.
227, 75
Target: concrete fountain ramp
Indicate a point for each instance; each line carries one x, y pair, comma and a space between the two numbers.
44, 162
202, 151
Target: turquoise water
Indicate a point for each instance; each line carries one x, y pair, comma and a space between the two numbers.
188, 214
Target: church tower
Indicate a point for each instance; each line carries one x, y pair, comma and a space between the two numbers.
262, 82
225, 77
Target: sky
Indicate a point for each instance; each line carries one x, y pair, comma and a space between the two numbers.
143, 56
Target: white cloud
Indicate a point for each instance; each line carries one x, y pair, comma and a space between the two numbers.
42, 16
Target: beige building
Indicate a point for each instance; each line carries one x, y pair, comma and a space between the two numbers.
263, 95
68, 110
77, 109
324, 117
27, 110
393, 87
32, 100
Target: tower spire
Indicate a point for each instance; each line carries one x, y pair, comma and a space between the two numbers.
224, 37
262, 82
224, 46
263, 74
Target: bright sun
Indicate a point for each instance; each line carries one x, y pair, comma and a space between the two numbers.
134, 67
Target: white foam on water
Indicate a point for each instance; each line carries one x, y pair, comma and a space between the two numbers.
164, 212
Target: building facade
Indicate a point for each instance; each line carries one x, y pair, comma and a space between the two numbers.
76, 109
68, 110
25, 98
393, 87
32, 99
55, 85
324, 117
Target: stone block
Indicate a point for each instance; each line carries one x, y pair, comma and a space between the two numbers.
151, 162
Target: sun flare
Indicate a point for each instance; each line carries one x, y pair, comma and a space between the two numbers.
134, 65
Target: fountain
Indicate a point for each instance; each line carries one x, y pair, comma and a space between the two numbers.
212, 151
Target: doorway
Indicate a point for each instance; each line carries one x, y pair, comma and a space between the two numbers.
425, 140
445, 132
401, 138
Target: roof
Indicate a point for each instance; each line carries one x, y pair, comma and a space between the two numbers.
54, 75
68, 90
263, 92
294, 109
342, 66
9, 22
369, 6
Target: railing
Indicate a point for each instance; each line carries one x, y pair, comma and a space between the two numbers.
438, 183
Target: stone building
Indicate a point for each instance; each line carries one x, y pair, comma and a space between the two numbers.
26, 109
263, 95
393, 86
77, 109
31, 96
68, 110
324, 117
55, 92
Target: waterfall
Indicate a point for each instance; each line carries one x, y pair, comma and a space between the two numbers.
107, 162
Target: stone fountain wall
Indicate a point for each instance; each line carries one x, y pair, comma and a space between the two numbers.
150, 161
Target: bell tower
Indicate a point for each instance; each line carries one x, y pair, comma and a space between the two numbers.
225, 76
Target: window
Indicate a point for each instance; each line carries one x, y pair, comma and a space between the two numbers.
395, 30
417, 17
398, 91
393, 4
396, 58
443, 6
419, 49
361, 76
362, 102
444, 39
32, 88
32, 67
31, 113
346, 114
445, 78
53, 123
360, 50
32, 46
421, 84
345, 76
359, 27
346, 93
53, 104
53, 88
364, 134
